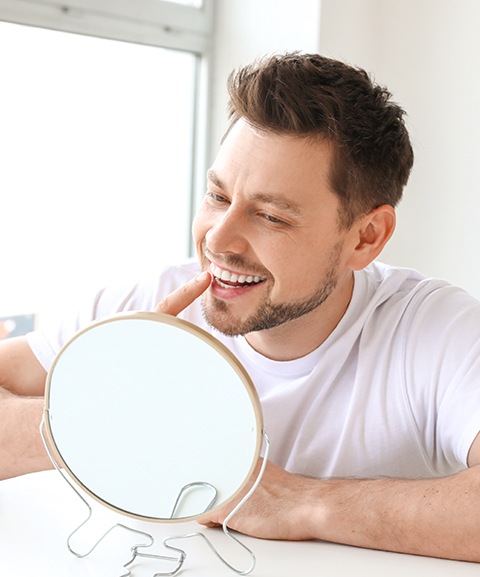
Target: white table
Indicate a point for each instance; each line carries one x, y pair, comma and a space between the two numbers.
39, 511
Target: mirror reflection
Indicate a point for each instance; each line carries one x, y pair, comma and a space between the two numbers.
152, 416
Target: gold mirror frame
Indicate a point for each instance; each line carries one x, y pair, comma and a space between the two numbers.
87, 420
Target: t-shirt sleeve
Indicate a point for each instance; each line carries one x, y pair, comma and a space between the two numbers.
442, 368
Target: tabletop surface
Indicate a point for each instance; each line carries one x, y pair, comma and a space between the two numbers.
39, 511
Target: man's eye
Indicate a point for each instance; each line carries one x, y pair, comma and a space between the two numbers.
218, 198
272, 219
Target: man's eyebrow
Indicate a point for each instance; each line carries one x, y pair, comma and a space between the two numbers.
212, 177
277, 200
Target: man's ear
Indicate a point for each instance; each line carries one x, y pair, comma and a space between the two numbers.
371, 234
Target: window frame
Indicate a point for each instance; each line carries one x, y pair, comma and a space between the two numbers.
152, 22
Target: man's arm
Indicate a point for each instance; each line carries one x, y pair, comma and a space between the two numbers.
22, 385
432, 517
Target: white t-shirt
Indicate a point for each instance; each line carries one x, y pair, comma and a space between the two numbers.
393, 391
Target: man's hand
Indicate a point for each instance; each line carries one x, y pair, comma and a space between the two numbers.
437, 517
272, 512
179, 299
277, 509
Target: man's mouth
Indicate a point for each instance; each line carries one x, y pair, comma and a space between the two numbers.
229, 279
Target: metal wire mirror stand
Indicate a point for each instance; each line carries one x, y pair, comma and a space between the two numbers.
138, 551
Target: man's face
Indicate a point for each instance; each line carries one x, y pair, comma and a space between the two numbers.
267, 230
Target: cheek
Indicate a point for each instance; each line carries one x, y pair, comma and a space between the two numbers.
289, 278
301, 268
286, 263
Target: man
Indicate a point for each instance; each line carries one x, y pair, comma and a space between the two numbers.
367, 374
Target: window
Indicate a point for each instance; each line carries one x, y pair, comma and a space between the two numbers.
195, 3
99, 148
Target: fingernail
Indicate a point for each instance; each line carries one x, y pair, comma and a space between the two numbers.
202, 276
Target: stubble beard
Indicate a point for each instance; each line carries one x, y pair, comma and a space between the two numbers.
269, 315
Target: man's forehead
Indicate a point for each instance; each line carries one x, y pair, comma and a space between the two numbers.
274, 168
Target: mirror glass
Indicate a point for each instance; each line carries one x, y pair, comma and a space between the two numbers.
152, 416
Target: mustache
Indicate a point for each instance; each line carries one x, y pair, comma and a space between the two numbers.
234, 261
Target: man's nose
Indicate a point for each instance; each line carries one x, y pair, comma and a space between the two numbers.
228, 234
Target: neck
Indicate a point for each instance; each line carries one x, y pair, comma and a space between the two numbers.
299, 337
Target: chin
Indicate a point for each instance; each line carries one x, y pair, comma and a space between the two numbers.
219, 317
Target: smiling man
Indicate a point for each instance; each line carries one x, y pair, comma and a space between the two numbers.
368, 375
268, 198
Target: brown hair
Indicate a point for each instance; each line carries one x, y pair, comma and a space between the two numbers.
311, 96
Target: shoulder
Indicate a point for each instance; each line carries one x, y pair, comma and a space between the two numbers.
422, 337
401, 307
431, 328
409, 290
390, 280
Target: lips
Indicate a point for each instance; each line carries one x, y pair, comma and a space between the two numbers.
230, 279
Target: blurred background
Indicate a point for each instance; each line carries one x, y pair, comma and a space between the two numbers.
111, 112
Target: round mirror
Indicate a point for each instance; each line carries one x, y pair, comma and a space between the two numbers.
152, 416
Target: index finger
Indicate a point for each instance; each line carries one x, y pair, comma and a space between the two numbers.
180, 298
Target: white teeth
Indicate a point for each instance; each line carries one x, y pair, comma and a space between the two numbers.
216, 271
233, 277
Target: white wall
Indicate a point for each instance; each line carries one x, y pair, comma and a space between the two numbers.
246, 29
427, 52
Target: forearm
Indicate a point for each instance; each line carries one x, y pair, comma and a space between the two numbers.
433, 517
21, 446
